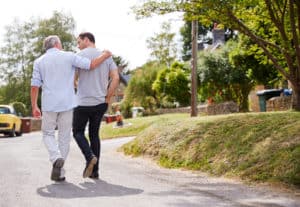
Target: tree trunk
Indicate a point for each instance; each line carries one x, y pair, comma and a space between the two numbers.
296, 97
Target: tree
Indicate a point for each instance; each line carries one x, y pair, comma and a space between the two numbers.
59, 24
259, 72
139, 91
20, 108
23, 44
162, 46
172, 84
272, 25
221, 80
121, 63
16, 61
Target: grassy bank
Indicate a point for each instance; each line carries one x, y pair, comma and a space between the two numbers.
133, 127
262, 147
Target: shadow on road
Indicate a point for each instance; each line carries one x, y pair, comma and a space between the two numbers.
86, 189
228, 194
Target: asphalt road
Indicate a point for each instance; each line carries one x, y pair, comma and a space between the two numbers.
125, 182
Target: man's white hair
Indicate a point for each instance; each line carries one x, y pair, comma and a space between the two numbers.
50, 41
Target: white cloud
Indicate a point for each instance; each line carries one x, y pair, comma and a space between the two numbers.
112, 23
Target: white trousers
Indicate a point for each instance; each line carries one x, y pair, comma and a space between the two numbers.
57, 148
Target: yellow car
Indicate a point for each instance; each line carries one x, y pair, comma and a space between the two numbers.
10, 123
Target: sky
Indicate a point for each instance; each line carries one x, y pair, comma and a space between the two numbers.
112, 22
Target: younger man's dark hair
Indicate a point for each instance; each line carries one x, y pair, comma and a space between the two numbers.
88, 35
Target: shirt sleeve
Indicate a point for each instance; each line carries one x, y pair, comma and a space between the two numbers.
36, 79
81, 62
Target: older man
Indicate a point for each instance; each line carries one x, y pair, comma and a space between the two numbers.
54, 71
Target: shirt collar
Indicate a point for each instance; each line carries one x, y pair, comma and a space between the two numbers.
52, 50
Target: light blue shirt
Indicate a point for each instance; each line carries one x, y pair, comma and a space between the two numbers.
54, 72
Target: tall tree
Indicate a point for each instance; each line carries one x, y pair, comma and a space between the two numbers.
278, 36
59, 24
15, 54
16, 61
23, 43
162, 45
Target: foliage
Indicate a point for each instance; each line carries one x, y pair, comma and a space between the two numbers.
222, 81
15, 54
272, 25
14, 91
162, 46
23, 44
139, 91
257, 71
173, 84
20, 108
59, 24
261, 147
204, 37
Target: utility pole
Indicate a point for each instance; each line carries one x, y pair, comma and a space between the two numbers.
194, 68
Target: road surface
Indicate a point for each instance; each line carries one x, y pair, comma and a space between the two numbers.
125, 182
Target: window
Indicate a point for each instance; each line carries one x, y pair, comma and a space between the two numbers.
4, 110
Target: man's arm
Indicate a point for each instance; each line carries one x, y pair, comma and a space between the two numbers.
114, 75
100, 59
34, 96
76, 77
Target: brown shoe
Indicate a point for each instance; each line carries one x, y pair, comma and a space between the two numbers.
60, 179
89, 167
57, 165
94, 175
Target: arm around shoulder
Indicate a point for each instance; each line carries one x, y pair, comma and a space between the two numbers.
100, 59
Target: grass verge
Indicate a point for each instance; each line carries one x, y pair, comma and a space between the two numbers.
261, 147
134, 126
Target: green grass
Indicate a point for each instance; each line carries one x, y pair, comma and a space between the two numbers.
136, 126
260, 147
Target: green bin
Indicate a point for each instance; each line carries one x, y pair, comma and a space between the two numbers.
264, 95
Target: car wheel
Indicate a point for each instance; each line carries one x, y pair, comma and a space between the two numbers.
18, 134
12, 132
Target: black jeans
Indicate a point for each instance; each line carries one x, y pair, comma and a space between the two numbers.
82, 115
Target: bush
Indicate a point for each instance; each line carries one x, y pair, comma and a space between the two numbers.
20, 108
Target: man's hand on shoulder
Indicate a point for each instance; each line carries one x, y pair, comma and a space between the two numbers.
100, 59
106, 53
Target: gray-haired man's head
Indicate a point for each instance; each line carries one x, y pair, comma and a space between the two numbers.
51, 41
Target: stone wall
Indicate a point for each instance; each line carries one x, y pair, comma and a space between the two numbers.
200, 108
280, 103
212, 109
36, 124
222, 108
